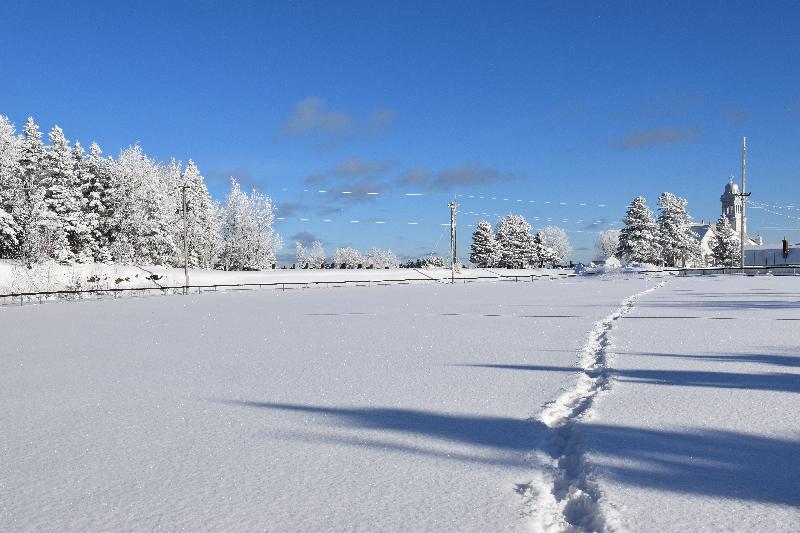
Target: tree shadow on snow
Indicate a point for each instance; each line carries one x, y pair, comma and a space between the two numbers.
723, 464
768, 381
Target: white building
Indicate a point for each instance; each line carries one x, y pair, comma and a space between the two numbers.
772, 254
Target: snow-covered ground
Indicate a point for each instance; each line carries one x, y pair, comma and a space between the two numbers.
700, 429
16, 278
408, 408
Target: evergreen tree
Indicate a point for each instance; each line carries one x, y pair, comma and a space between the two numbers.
725, 246
638, 239
515, 242
203, 242
9, 188
679, 245
60, 196
97, 190
484, 249
82, 227
30, 210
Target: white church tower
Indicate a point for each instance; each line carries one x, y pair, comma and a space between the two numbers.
732, 207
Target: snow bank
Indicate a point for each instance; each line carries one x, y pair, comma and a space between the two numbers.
15, 278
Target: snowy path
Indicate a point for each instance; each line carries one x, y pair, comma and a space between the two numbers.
700, 430
338, 409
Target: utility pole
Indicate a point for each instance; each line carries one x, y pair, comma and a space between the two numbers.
185, 240
743, 195
453, 252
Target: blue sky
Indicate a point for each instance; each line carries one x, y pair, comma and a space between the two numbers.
563, 102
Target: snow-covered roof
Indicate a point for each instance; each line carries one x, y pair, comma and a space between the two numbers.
700, 230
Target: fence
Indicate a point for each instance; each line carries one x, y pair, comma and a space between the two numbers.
79, 294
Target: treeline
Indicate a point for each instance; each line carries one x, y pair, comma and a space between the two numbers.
512, 245
669, 239
59, 203
347, 257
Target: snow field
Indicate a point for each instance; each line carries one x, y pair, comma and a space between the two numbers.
391, 409
699, 428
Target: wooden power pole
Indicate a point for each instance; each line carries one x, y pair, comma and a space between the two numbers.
743, 194
453, 251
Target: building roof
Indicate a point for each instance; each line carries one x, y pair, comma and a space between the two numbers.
701, 230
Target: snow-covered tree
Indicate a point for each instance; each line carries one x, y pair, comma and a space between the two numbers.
316, 257
144, 211
30, 210
347, 258
556, 240
378, 258
484, 250
61, 196
514, 242
98, 205
679, 244
544, 255
203, 241
638, 239
9, 188
248, 241
725, 244
300, 254
607, 243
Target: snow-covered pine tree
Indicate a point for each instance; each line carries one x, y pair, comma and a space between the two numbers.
98, 207
679, 245
60, 187
347, 258
30, 210
725, 246
638, 239
515, 242
81, 236
556, 240
203, 233
9, 188
484, 249
607, 243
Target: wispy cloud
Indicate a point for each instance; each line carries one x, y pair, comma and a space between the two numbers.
305, 238
793, 106
657, 136
734, 116
453, 178
353, 167
290, 209
313, 117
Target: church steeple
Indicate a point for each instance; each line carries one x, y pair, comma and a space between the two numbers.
732, 206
